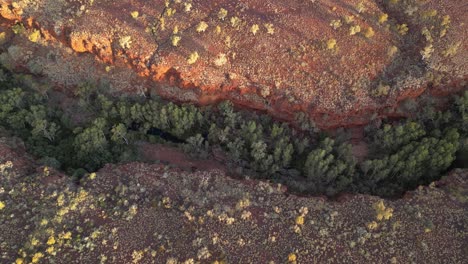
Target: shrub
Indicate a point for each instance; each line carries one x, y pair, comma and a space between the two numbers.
197, 146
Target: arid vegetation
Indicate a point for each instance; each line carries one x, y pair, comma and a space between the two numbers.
151, 213
197, 131
402, 155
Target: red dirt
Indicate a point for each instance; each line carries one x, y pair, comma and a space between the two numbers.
143, 213
281, 73
175, 157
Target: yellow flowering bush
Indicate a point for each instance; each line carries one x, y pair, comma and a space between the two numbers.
300, 220
382, 211
292, 257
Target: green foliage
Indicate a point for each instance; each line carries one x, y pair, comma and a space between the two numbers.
391, 137
403, 155
197, 146
122, 109
330, 167
461, 112
18, 28
236, 149
181, 119
283, 152
418, 161
176, 120
91, 145
230, 117
259, 144
251, 132
462, 155
44, 128
305, 123
85, 92
106, 107
10, 100
119, 134
78, 173
301, 144
219, 136
50, 162
261, 160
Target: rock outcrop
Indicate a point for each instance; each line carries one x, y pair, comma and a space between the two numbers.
340, 61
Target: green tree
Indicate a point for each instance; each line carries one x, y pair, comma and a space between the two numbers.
46, 129
197, 146
236, 149
230, 117
92, 146
261, 160
393, 137
10, 100
219, 136
461, 112
251, 132
283, 152
414, 163
305, 123
119, 133
124, 113
85, 93
331, 171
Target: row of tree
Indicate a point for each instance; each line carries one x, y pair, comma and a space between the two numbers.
403, 155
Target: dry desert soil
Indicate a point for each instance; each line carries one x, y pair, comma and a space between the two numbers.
340, 63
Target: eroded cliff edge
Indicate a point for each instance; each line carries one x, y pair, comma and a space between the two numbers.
342, 62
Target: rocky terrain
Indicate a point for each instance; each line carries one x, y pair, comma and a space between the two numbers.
151, 213
342, 62
321, 63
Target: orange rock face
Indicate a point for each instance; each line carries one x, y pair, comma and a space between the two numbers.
339, 61
99, 45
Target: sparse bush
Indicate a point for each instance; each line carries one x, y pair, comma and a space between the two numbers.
305, 123
18, 28
197, 146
